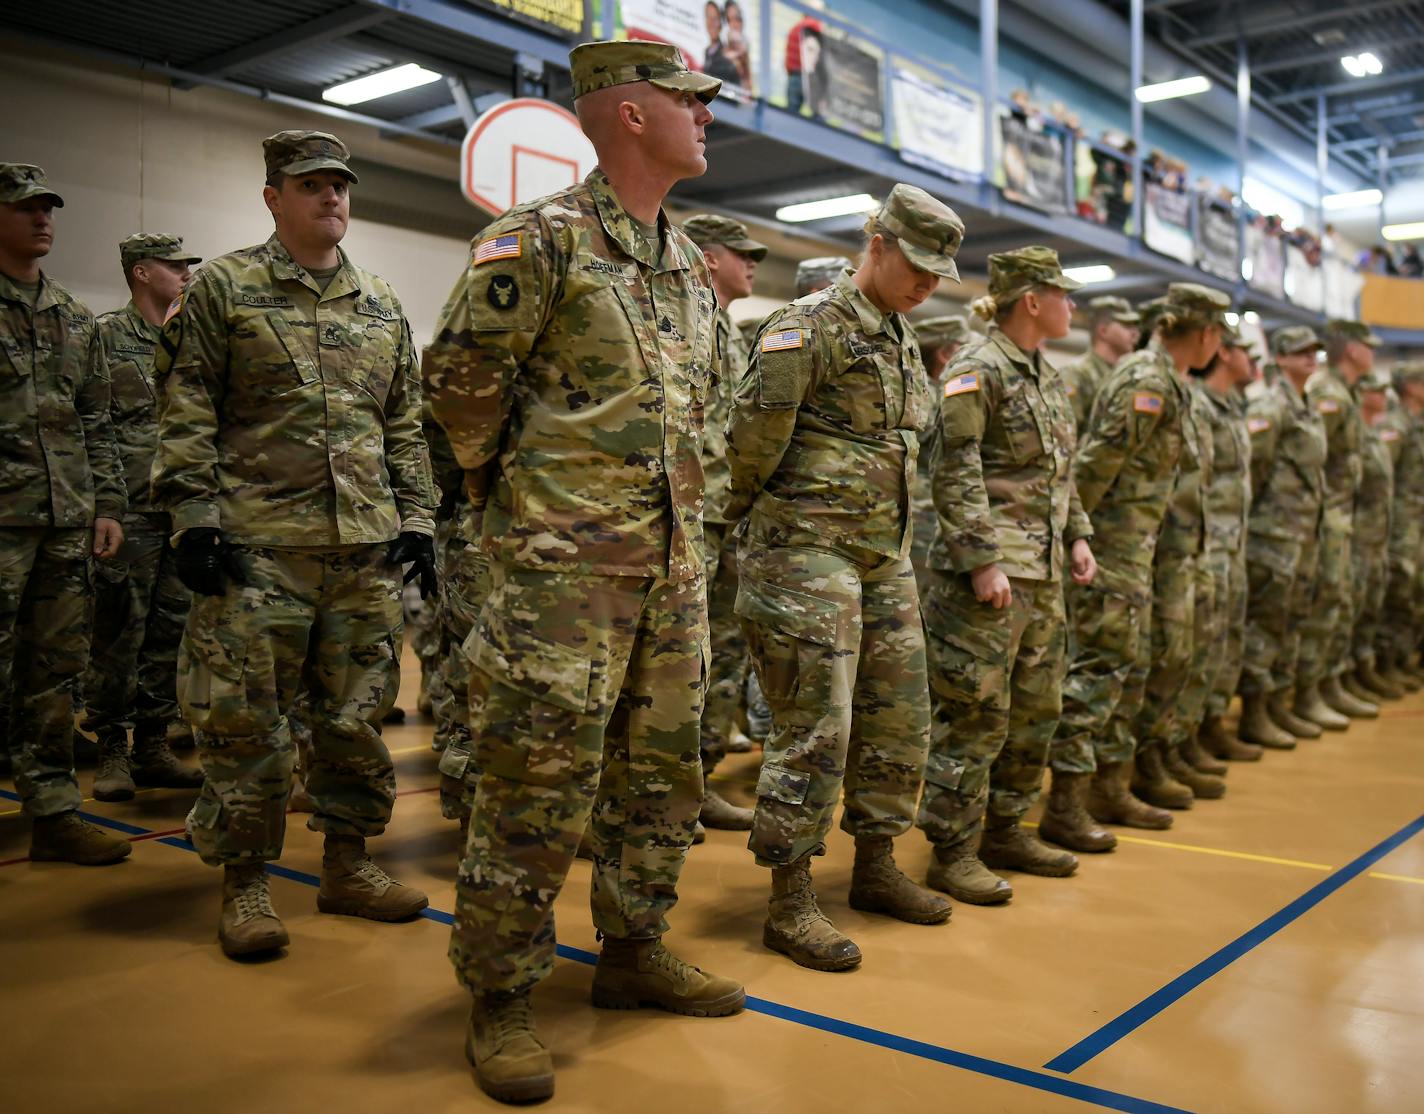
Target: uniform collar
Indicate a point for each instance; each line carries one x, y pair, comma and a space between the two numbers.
1012, 351
285, 268
51, 294
139, 326
871, 319
622, 229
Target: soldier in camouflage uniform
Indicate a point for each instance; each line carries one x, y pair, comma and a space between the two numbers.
61, 499
1287, 486
1228, 507
732, 257
822, 442
140, 604
1008, 520
1402, 429
1326, 640
1114, 327
939, 339
818, 273
1125, 471
291, 459
571, 368
1369, 551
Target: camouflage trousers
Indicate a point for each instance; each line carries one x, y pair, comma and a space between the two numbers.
464, 586
1111, 633
1280, 578
1398, 631
45, 607
1370, 581
140, 607
590, 696
1167, 668
838, 647
730, 662
1325, 635
422, 620
1228, 636
995, 694
1208, 636
327, 621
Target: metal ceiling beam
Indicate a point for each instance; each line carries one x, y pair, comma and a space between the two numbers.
334, 25
1372, 141
1383, 81
471, 22
1287, 22
1274, 65
1406, 107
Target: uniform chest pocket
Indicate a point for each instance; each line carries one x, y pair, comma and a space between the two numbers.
861, 390
1020, 423
272, 355
129, 392
14, 361
591, 328
374, 343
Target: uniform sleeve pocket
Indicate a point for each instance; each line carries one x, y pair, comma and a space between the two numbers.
797, 614
777, 783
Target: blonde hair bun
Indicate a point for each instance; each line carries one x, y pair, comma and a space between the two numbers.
984, 307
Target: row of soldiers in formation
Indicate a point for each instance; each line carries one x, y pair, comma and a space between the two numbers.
633, 502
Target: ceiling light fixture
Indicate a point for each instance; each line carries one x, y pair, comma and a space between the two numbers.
1363, 64
1232, 319
1091, 273
382, 84
1412, 230
826, 207
1357, 199
1251, 317
1166, 90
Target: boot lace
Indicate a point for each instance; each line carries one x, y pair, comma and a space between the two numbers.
112, 763
511, 1018
365, 869
254, 900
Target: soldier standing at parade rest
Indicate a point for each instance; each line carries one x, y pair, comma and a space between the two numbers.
291, 459
1125, 471
1403, 430
570, 368
1008, 522
732, 257
140, 605
61, 499
1114, 327
822, 442
1287, 494
1370, 544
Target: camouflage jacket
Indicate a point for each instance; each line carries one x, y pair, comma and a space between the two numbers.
570, 368
128, 344
1082, 379
288, 416
730, 364
1330, 396
1228, 495
1403, 435
1184, 528
1126, 467
1287, 463
1375, 494
58, 464
822, 434
1002, 465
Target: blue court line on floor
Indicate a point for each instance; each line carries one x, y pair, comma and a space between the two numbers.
994, 1069
1119, 1027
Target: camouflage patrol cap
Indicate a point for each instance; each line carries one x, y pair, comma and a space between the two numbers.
154, 245
1292, 339
707, 229
19, 181
1233, 337
936, 332
1408, 373
300, 152
1012, 274
1119, 309
603, 65
812, 274
1340, 328
1197, 304
1374, 380
1149, 311
928, 231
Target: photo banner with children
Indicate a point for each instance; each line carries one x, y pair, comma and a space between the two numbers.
828, 74
1167, 222
721, 38
1218, 239
1033, 164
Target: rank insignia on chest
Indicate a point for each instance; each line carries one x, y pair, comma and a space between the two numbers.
784, 340
1328, 406
961, 384
1144, 402
508, 246
503, 292
1257, 425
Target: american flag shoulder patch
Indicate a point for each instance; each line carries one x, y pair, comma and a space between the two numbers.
1145, 402
508, 246
1257, 425
1388, 435
783, 341
961, 384
173, 307
1328, 406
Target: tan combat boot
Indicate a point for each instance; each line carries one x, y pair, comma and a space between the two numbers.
1154, 784
796, 927
511, 1063
1066, 820
67, 838
1396, 677
353, 886
1008, 845
1111, 802
1367, 674
155, 766
877, 885
1217, 741
1280, 707
633, 973
1310, 707
956, 870
721, 814
1198, 759
113, 780
1357, 689
1337, 699
1206, 787
248, 923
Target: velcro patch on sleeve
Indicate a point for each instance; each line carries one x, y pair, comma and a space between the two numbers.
783, 341
508, 246
961, 384
1145, 402
1328, 406
1257, 425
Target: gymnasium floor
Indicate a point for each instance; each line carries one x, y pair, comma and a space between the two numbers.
1267, 954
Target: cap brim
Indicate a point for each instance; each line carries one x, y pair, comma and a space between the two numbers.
1127, 318
932, 261
705, 87
1314, 346
1373, 341
311, 166
178, 258
1063, 282
38, 191
750, 247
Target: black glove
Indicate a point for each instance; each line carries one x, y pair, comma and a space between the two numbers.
205, 562
417, 551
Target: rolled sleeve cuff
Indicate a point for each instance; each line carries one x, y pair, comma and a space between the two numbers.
966, 558
194, 516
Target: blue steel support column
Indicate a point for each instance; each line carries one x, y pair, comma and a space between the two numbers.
1322, 158
989, 79
1243, 148
1139, 152
1383, 186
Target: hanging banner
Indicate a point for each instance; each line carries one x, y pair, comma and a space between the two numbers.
1103, 186
722, 39
1218, 245
1265, 261
1167, 222
1304, 282
936, 127
566, 16
1033, 165
828, 75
